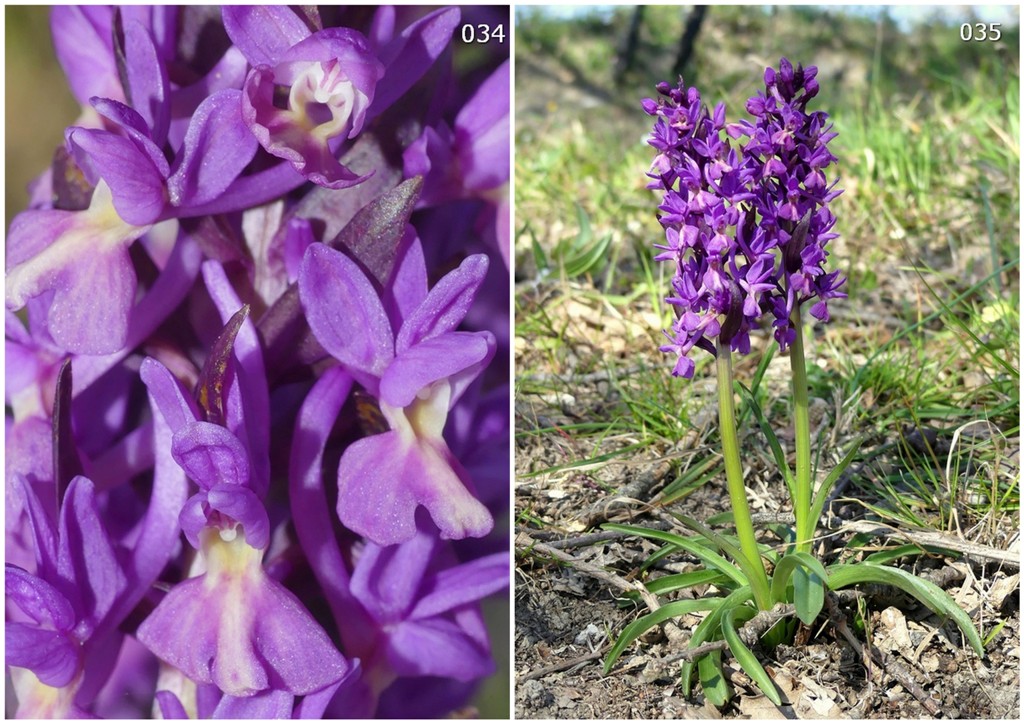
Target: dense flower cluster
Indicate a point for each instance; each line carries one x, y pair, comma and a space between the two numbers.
746, 225
257, 379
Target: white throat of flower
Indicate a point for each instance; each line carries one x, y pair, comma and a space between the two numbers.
323, 86
425, 417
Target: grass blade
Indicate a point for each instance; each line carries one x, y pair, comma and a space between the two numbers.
823, 490
769, 433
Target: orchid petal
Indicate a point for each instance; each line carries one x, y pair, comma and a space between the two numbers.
382, 478
217, 147
455, 356
412, 53
407, 287
135, 183
386, 579
242, 505
85, 557
210, 455
82, 256
83, 41
43, 603
412, 647
50, 655
269, 704
169, 395
241, 630
461, 585
482, 133
135, 126
263, 32
147, 77
170, 705
446, 305
344, 311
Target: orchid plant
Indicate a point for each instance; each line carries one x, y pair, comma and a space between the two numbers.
745, 209
257, 380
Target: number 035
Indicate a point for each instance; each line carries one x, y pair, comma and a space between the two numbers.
981, 31
483, 33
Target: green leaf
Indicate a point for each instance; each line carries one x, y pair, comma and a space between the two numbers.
843, 575
762, 367
712, 679
708, 628
809, 578
694, 477
883, 557
709, 558
539, 257
680, 581
726, 518
589, 259
744, 656
752, 570
644, 623
808, 594
583, 253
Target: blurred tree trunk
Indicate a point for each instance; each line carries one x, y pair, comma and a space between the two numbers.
693, 23
627, 51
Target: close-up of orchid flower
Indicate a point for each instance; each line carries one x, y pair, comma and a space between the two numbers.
257, 373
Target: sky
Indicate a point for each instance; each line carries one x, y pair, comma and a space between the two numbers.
905, 15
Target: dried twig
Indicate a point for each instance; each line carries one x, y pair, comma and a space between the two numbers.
526, 543
936, 540
563, 665
624, 498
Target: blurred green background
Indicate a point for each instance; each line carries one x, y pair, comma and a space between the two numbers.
39, 105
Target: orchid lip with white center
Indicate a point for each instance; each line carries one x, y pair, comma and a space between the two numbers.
323, 85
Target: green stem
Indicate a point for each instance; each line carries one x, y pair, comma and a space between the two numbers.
752, 566
803, 491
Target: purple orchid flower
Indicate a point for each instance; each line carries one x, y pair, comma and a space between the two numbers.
423, 605
83, 587
82, 256
470, 160
330, 76
248, 633
418, 373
